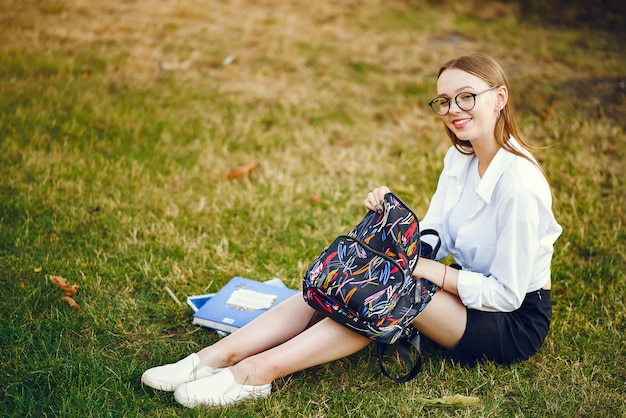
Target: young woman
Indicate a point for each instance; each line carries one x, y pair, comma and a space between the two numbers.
492, 209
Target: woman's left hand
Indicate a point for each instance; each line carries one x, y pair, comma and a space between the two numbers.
375, 198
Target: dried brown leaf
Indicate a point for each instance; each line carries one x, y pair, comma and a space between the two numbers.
101, 29
316, 199
69, 289
71, 302
243, 171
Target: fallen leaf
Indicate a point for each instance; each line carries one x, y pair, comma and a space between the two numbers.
37, 269
316, 199
454, 400
57, 280
101, 29
69, 289
243, 171
70, 301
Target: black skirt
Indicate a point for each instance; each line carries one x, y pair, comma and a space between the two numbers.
506, 337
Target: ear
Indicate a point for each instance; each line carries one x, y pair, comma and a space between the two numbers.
502, 97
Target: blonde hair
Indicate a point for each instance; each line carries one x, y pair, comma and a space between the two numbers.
487, 69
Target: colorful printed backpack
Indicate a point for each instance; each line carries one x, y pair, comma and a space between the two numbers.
363, 280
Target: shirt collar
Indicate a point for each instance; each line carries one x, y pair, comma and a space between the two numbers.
460, 166
488, 182
498, 165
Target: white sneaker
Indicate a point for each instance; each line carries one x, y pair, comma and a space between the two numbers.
219, 389
170, 376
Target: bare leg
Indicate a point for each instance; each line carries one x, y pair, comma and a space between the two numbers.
322, 343
268, 330
276, 344
443, 320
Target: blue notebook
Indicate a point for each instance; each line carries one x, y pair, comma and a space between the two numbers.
239, 302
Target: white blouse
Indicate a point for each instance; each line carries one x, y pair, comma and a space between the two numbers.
499, 228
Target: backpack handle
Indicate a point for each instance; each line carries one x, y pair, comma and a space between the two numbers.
430, 251
404, 348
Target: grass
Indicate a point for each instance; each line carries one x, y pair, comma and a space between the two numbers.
118, 123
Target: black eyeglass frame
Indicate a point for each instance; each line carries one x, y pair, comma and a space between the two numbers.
456, 100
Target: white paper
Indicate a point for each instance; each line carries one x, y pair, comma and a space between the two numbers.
251, 300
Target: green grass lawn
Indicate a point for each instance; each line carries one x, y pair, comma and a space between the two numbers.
119, 124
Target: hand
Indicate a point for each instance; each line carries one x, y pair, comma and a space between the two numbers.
375, 198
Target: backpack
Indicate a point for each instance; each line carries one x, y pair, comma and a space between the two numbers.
363, 280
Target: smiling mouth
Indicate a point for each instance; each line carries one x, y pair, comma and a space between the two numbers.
460, 123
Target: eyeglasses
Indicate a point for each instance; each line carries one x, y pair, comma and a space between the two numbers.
465, 101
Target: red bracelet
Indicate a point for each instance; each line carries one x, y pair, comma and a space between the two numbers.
443, 283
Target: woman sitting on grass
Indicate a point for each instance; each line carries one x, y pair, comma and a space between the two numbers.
492, 209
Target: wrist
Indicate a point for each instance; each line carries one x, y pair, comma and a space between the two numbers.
428, 269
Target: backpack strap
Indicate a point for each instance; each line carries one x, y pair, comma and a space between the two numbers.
404, 348
429, 251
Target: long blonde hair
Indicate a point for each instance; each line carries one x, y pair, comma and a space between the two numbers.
487, 69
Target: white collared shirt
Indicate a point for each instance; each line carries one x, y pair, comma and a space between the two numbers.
501, 231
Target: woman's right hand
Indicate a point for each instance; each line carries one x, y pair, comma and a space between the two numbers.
375, 198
